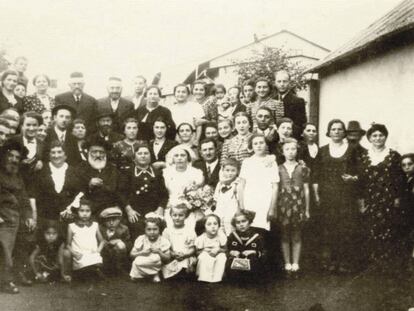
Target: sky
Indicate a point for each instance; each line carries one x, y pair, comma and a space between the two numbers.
124, 38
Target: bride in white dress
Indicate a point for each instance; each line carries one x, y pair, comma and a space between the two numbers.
180, 175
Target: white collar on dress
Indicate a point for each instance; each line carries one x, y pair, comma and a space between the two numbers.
377, 157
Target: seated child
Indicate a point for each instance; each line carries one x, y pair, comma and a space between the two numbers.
182, 240
85, 242
150, 250
211, 250
245, 248
46, 260
117, 240
228, 194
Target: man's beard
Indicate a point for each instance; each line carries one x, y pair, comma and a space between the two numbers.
106, 129
97, 163
12, 168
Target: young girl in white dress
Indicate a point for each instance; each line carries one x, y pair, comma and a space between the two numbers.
211, 250
151, 250
182, 239
229, 194
85, 241
261, 175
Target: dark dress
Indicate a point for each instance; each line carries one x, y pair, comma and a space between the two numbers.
146, 192
291, 201
50, 203
407, 203
381, 184
338, 203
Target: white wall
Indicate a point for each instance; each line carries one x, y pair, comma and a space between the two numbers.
289, 43
380, 90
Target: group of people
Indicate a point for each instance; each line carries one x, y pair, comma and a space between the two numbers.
219, 184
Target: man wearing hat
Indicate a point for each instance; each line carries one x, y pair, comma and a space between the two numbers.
120, 107
354, 134
99, 179
84, 104
62, 116
14, 204
117, 237
104, 126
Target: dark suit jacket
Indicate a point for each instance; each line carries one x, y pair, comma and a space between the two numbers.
114, 189
125, 110
70, 145
85, 110
142, 102
167, 146
5, 104
50, 203
294, 107
214, 178
145, 128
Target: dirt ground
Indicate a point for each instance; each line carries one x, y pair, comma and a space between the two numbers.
362, 292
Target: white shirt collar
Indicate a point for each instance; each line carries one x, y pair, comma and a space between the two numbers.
139, 172
59, 133
212, 165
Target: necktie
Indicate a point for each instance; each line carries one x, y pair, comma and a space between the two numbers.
208, 170
62, 138
77, 100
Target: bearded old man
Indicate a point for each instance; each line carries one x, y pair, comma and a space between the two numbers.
14, 204
100, 180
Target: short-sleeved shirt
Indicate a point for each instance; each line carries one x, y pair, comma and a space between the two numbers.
181, 239
143, 243
204, 242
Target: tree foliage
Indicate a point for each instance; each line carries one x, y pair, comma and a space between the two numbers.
266, 62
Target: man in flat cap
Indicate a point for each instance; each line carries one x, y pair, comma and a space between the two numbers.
120, 107
84, 105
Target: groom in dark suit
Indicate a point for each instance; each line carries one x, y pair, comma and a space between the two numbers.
209, 162
84, 105
120, 107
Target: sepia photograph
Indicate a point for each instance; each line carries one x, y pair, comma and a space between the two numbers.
207, 155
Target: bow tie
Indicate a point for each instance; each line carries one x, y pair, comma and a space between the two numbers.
31, 141
225, 188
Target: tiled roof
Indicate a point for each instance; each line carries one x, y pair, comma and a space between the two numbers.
399, 19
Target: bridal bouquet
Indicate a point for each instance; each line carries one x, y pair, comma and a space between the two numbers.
200, 198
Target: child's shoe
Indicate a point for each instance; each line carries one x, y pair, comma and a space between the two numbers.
9, 288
